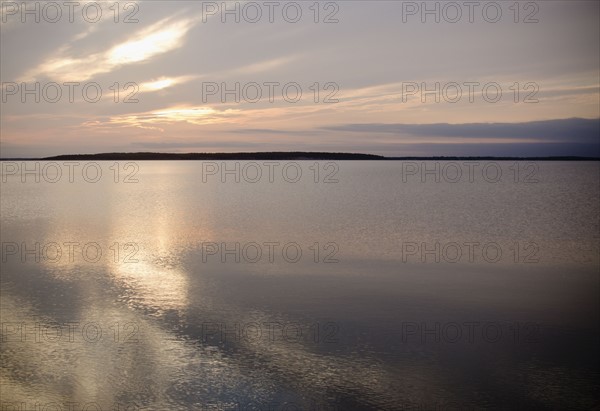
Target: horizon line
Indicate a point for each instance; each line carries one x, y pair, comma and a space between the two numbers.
277, 155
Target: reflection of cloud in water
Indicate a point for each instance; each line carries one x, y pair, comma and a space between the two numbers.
212, 372
80, 366
152, 285
150, 372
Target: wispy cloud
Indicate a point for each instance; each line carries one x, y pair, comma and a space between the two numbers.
157, 119
163, 83
264, 66
161, 37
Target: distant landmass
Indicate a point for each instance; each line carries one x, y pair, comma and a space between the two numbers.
294, 155
276, 155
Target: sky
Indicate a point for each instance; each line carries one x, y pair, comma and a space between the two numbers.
394, 78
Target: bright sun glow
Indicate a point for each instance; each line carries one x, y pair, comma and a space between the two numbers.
163, 82
157, 85
144, 48
185, 113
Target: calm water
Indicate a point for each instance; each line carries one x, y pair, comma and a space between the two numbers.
373, 290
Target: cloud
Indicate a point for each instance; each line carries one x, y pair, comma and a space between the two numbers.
265, 66
163, 83
170, 54
574, 130
153, 120
259, 131
156, 39
161, 37
192, 144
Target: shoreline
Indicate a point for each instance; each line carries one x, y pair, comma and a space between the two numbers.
283, 156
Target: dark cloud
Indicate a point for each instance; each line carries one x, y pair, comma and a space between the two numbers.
494, 150
573, 130
259, 131
191, 144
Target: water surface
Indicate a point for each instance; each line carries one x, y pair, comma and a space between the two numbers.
360, 320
